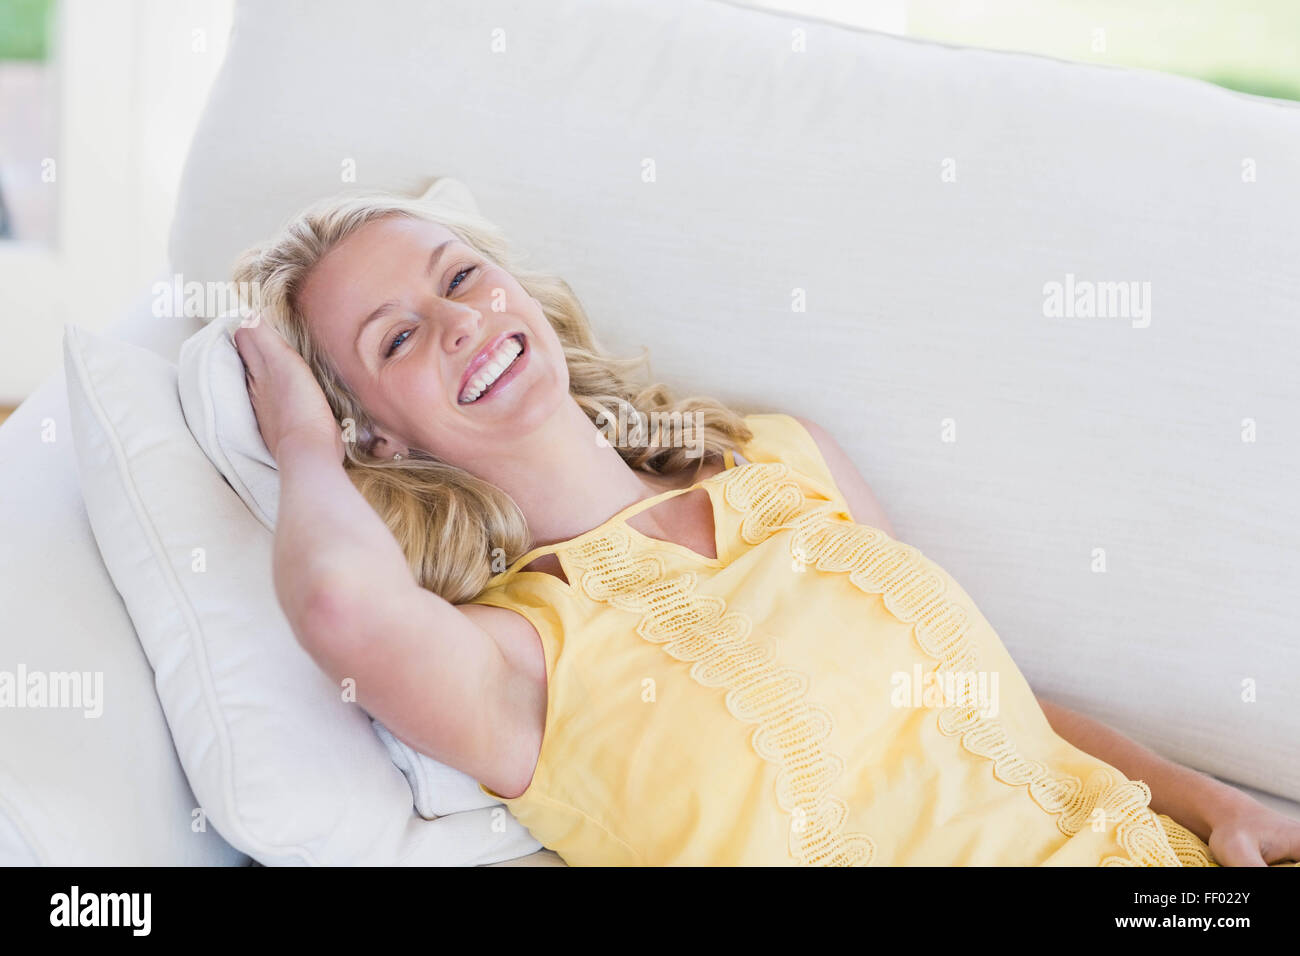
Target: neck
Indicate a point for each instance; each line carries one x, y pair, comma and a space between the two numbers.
564, 479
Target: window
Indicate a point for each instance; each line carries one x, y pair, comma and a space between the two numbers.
28, 121
1247, 45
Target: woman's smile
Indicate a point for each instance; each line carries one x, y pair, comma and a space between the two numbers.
494, 368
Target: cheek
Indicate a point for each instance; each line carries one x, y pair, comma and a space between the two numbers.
552, 346
552, 352
413, 385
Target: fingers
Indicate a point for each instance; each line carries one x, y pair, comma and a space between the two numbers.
270, 344
249, 350
1286, 846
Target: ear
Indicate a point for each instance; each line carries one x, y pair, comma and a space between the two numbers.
381, 446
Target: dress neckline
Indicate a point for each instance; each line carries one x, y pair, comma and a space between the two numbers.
621, 518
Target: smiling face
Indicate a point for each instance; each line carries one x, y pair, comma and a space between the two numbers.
441, 346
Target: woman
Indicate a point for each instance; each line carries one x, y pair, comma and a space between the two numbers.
695, 641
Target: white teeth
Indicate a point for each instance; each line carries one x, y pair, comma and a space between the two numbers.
502, 357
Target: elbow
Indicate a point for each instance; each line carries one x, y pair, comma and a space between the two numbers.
323, 613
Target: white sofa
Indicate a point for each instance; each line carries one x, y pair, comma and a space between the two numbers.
796, 216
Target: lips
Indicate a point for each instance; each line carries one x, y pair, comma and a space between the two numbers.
480, 359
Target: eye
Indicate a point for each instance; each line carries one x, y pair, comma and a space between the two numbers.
454, 284
397, 340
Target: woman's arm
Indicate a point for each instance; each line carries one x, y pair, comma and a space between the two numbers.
431, 672
1189, 796
1239, 830
326, 534
331, 548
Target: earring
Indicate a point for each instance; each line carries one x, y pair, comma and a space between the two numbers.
397, 456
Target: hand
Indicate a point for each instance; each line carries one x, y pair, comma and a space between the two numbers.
286, 397
1247, 833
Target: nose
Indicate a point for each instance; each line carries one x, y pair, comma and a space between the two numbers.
460, 325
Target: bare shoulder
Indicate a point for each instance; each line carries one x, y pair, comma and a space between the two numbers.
863, 504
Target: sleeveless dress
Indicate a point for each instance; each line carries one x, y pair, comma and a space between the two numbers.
817, 694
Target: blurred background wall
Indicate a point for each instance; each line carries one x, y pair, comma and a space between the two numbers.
99, 98
98, 101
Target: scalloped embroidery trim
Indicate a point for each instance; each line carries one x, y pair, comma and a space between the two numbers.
698, 628
769, 500
1187, 845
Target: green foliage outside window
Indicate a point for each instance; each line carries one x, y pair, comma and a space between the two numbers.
24, 29
1247, 45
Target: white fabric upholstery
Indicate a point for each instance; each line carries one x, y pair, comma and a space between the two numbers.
107, 791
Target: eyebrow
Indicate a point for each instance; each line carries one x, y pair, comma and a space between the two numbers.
391, 304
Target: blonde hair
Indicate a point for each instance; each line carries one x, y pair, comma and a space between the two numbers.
449, 523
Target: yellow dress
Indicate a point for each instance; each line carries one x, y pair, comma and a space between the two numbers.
817, 694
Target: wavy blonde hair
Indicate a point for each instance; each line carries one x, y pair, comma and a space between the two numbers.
449, 523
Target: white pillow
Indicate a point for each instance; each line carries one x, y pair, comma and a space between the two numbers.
282, 767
